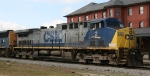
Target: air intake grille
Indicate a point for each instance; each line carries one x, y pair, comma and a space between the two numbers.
82, 43
100, 43
92, 43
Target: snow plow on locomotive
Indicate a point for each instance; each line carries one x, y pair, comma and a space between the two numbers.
98, 41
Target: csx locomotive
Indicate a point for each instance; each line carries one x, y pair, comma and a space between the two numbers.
101, 41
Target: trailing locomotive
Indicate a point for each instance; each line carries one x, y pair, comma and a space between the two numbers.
103, 40
7, 41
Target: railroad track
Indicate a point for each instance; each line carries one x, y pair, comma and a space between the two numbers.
142, 71
145, 67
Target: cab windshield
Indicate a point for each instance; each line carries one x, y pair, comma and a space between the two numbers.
114, 24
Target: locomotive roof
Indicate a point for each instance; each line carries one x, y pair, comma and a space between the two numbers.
102, 6
98, 20
26, 31
5, 31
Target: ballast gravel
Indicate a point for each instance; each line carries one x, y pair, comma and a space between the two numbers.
131, 71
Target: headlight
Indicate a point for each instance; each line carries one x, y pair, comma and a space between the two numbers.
121, 33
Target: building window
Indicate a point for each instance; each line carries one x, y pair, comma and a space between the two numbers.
130, 24
130, 11
141, 10
141, 24
104, 14
117, 12
71, 20
86, 18
110, 13
79, 19
95, 16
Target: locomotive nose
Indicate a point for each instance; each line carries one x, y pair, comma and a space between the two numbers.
124, 38
128, 39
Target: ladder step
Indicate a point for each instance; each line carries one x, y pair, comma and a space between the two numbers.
123, 60
124, 57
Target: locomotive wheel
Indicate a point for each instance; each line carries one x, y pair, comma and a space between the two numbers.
0, 54
34, 58
87, 61
27, 56
8, 53
20, 56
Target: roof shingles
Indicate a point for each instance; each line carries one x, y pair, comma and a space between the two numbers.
95, 6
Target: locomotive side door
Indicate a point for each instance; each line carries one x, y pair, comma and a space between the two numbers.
68, 38
82, 31
74, 37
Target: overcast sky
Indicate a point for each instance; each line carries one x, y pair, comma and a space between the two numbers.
25, 14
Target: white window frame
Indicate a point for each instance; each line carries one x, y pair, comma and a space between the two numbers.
129, 11
104, 14
95, 16
71, 19
130, 24
86, 17
117, 12
79, 19
141, 24
110, 12
141, 10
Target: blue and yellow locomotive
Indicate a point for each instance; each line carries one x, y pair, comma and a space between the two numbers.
103, 40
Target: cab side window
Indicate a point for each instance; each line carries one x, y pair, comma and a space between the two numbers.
71, 26
102, 24
97, 25
64, 27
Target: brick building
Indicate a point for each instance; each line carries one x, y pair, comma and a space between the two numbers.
134, 13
